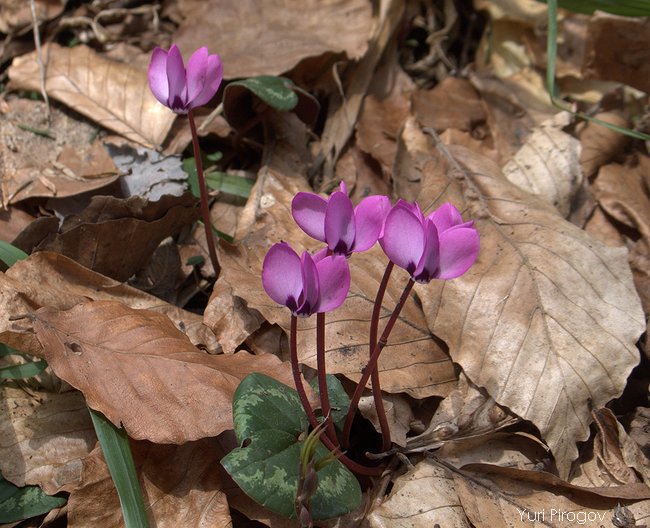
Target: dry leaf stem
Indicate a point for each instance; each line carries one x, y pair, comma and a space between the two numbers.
205, 207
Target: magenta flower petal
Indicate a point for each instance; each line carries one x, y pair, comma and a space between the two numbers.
334, 280
369, 217
196, 71
310, 286
176, 79
158, 75
428, 266
458, 251
403, 240
212, 81
308, 211
282, 275
340, 225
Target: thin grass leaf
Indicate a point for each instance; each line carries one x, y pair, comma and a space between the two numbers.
117, 453
229, 184
632, 8
26, 370
11, 254
551, 51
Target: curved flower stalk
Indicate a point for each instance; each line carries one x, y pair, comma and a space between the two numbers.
438, 246
344, 228
306, 285
183, 89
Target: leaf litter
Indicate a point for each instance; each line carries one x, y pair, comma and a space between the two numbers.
517, 394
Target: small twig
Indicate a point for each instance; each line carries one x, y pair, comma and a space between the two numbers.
203, 127
38, 131
39, 59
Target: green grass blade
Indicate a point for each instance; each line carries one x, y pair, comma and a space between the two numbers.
11, 254
632, 8
551, 52
117, 453
26, 370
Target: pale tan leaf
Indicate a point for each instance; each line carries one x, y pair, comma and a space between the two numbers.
43, 438
497, 496
547, 165
398, 413
277, 35
114, 94
547, 319
181, 486
140, 371
600, 144
49, 279
422, 497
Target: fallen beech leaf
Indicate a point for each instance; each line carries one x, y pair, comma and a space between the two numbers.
114, 94
261, 46
44, 438
141, 372
16, 16
398, 413
600, 144
547, 165
97, 237
181, 486
33, 160
50, 279
423, 497
497, 496
547, 319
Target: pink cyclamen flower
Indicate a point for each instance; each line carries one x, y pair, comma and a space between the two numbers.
335, 221
438, 246
306, 284
184, 89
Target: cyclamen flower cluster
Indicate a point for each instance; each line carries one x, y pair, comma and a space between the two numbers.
438, 246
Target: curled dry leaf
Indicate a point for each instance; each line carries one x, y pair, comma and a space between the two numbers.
50, 279
398, 413
181, 486
43, 438
548, 317
601, 144
114, 94
263, 45
141, 372
425, 496
498, 496
96, 238
547, 165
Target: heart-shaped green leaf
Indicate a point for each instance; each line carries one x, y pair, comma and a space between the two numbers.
339, 400
269, 424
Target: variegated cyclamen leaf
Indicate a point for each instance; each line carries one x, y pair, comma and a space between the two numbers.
269, 425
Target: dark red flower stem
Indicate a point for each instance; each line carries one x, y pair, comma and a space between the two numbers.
374, 376
372, 363
300, 388
203, 189
322, 379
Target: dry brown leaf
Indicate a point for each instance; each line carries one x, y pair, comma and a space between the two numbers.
114, 94
425, 496
398, 413
141, 372
98, 236
43, 438
497, 496
49, 279
34, 165
616, 50
547, 165
276, 34
465, 413
600, 144
15, 16
181, 487
547, 319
